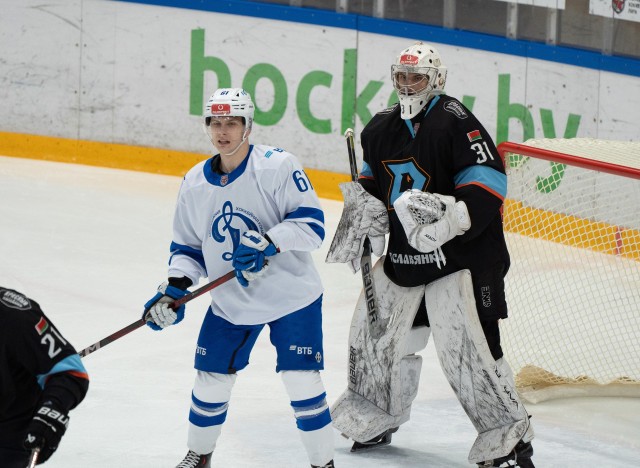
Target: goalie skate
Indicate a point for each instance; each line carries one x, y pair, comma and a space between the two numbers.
378, 441
520, 457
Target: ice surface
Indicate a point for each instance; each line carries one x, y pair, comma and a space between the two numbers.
90, 245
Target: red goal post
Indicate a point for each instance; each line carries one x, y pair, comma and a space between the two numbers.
572, 222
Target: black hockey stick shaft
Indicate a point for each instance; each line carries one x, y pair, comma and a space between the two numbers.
174, 305
376, 327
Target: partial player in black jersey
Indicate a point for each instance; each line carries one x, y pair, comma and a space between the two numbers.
41, 380
433, 180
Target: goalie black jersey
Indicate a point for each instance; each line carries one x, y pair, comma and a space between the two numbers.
36, 363
444, 150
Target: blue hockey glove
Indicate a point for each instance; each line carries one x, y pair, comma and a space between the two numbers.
157, 312
250, 258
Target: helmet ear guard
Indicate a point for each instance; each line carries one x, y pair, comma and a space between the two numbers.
417, 76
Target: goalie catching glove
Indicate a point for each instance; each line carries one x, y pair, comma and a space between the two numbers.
250, 258
430, 219
363, 216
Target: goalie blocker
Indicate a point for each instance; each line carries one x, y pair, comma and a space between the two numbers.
384, 373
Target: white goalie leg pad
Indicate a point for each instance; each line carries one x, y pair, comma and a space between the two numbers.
484, 389
209, 403
383, 378
309, 403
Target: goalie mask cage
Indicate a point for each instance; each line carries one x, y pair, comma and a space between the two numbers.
572, 222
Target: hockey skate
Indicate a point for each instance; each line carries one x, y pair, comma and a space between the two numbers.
328, 465
378, 441
520, 457
193, 460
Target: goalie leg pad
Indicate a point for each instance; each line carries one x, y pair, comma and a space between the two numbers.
482, 386
383, 376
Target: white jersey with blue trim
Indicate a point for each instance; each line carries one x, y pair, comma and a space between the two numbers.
268, 193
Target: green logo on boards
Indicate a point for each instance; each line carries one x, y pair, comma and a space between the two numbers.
357, 105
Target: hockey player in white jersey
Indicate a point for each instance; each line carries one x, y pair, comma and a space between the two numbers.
252, 209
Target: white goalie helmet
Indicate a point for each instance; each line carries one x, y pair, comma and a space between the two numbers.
230, 102
417, 76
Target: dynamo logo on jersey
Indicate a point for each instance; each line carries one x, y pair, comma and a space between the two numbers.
230, 223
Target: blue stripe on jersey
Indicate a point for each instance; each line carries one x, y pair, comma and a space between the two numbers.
313, 213
70, 363
366, 170
484, 176
179, 249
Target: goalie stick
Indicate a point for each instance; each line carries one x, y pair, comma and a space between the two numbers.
174, 305
376, 327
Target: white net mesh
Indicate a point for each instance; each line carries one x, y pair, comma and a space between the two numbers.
574, 285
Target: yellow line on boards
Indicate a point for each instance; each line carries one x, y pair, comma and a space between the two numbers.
532, 222
133, 158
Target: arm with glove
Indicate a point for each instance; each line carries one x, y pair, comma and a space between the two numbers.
430, 219
250, 258
157, 312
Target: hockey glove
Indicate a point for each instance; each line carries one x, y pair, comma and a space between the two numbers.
363, 216
250, 258
157, 312
46, 429
430, 219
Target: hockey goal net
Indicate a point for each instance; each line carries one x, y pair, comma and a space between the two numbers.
572, 222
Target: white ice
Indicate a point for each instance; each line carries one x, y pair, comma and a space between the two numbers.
90, 244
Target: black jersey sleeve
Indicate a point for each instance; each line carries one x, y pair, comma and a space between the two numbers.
36, 346
479, 174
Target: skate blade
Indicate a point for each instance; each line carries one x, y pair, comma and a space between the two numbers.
360, 447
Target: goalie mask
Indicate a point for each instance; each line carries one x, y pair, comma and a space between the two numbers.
229, 102
417, 76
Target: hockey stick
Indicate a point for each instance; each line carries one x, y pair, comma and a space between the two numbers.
376, 327
174, 305
33, 459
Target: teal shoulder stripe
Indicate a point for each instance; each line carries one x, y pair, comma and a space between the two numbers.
70, 363
483, 175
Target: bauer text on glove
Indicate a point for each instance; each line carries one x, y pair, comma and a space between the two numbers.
46, 429
430, 219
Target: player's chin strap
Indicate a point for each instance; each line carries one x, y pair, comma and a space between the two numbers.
244, 138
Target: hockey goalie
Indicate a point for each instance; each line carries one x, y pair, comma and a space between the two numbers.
433, 181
